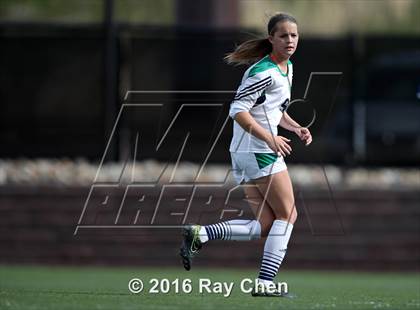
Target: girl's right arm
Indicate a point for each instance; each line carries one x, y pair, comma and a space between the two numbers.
247, 94
277, 143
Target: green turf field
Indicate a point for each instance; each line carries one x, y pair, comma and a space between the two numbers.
23, 287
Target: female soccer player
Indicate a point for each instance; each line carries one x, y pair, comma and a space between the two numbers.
257, 153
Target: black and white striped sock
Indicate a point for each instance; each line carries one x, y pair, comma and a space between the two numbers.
275, 249
231, 230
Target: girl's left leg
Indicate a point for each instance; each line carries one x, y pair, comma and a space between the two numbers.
279, 194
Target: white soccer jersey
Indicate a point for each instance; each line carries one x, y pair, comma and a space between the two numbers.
264, 93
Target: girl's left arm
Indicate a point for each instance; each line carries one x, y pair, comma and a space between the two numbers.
290, 124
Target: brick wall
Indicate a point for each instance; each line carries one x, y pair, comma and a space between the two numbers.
352, 229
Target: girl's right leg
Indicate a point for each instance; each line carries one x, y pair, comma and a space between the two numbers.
238, 229
260, 207
242, 230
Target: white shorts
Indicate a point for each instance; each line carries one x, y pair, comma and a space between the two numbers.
251, 166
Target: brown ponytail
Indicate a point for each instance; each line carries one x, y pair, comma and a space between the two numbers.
253, 50
249, 52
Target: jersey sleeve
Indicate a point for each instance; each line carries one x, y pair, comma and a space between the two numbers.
249, 91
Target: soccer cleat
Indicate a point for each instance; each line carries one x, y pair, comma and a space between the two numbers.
191, 244
260, 291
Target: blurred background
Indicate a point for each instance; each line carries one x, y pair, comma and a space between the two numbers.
69, 67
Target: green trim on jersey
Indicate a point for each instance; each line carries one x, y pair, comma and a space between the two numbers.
267, 63
265, 159
264, 64
285, 74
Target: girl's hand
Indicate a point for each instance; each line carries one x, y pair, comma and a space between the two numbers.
304, 134
280, 145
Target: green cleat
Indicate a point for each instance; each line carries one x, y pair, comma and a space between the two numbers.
191, 244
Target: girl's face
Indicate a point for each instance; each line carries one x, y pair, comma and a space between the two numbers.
284, 39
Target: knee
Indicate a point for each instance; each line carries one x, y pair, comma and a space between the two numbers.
287, 214
293, 216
